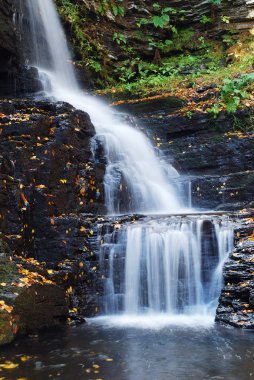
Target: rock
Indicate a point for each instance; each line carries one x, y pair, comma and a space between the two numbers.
9, 58
214, 159
40, 306
251, 298
236, 306
15, 76
48, 171
50, 182
28, 301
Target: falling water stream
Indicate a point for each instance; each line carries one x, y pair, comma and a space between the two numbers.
162, 274
166, 265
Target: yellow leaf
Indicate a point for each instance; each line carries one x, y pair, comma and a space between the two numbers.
9, 365
25, 358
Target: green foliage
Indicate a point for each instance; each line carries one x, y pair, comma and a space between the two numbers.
163, 19
225, 19
119, 38
88, 48
205, 19
137, 76
95, 65
232, 91
244, 124
114, 6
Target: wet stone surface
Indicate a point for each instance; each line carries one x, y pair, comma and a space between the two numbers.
48, 178
236, 306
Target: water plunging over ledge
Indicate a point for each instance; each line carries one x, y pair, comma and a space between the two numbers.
162, 266
170, 266
132, 166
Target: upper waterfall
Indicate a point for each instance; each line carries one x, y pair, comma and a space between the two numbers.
132, 166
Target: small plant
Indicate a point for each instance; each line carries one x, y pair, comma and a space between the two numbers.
119, 38
225, 19
202, 42
114, 6
215, 110
205, 20
189, 114
162, 19
228, 40
232, 91
94, 65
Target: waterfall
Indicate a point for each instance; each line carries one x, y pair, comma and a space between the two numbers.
161, 267
164, 265
132, 166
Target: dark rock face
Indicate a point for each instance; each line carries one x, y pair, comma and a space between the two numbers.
47, 171
41, 306
15, 77
9, 61
50, 182
213, 157
236, 306
28, 300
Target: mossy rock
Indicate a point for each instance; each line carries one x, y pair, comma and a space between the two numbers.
8, 327
40, 306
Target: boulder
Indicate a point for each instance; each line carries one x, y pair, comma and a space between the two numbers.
28, 301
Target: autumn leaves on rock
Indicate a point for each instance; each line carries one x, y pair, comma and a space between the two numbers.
48, 176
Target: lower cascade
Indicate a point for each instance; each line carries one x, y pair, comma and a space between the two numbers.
170, 265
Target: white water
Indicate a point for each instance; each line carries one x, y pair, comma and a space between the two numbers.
170, 266
162, 271
132, 164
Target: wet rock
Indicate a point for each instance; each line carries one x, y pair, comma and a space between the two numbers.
49, 178
9, 57
251, 299
28, 301
214, 158
48, 171
236, 306
40, 306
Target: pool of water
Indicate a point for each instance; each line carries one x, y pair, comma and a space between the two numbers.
108, 349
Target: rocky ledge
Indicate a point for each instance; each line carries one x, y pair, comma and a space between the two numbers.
236, 303
213, 155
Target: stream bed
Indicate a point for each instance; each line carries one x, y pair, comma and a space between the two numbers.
105, 349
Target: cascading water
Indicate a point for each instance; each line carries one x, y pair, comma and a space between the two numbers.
131, 161
156, 266
170, 266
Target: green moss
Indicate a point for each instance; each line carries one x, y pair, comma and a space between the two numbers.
244, 124
184, 40
7, 333
7, 269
